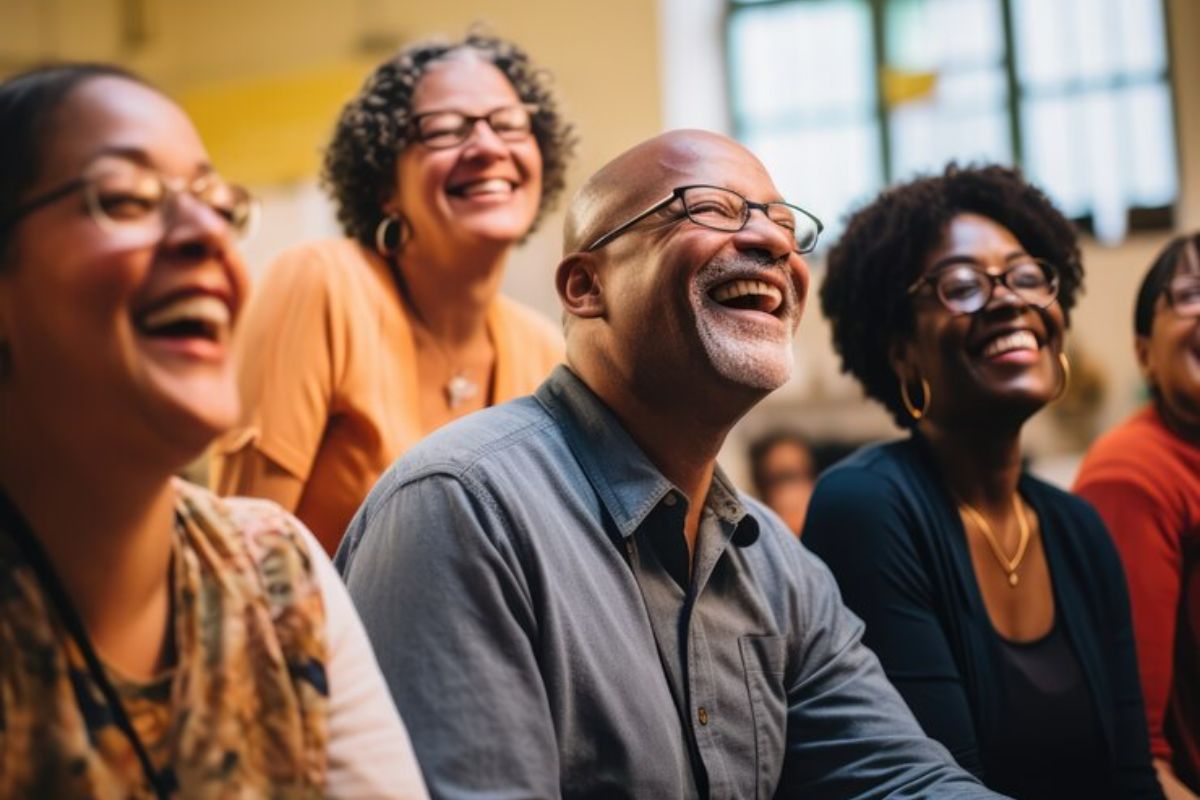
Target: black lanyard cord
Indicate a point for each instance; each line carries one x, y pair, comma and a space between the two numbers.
14, 522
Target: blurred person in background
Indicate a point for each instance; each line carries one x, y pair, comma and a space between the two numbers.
154, 639
356, 348
995, 601
1144, 479
783, 473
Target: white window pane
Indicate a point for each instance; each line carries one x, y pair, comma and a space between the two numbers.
1143, 36
805, 57
824, 170
930, 34
1150, 146
1051, 130
976, 89
1042, 31
923, 140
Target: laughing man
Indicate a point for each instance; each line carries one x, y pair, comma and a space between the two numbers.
568, 597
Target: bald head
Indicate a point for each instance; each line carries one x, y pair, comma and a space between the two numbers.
645, 173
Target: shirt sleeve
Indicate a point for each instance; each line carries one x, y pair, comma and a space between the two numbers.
288, 351
442, 596
859, 525
370, 755
1147, 537
850, 734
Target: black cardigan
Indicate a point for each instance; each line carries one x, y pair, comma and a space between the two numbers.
884, 523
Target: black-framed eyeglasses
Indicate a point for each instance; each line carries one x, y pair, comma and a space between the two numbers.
965, 288
723, 209
1183, 295
441, 130
133, 200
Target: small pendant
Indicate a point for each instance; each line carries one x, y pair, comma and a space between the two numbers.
1012, 579
459, 390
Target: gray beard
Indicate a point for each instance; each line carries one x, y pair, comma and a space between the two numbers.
742, 351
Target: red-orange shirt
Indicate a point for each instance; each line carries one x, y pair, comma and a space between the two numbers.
1145, 482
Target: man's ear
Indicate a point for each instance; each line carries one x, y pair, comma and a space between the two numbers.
579, 287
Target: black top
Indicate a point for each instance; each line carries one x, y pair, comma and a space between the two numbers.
884, 523
1049, 741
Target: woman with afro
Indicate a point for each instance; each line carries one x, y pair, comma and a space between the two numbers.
995, 602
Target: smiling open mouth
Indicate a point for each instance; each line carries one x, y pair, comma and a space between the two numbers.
748, 295
1010, 342
480, 188
191, 317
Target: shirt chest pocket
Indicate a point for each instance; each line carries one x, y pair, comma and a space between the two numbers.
763, 660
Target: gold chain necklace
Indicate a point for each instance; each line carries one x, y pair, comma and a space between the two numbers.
1008, 565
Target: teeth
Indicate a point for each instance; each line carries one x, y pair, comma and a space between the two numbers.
735, 289
489, 186
205, 309
1018, 340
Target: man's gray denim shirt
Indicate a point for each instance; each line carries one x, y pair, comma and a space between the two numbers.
510, 572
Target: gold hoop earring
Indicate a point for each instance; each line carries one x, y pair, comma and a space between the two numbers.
926, 399
381, 236
1065, 363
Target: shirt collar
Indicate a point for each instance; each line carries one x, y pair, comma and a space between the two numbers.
625, 480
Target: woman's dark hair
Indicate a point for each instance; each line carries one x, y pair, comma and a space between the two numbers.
885, 245
27, 104
1155, 282
360, 162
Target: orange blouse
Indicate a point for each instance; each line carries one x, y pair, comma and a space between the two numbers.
328, 378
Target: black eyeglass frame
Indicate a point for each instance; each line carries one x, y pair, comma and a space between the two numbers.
469, 121
241, 225
678, 192
994, 280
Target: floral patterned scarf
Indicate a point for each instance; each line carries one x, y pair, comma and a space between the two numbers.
241, 712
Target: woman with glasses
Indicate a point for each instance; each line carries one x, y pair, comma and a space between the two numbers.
995, 602
154, 640
357, 348
1144, 479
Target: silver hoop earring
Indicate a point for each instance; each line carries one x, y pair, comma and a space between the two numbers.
381, 236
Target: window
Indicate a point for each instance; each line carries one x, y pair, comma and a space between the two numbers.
840, 97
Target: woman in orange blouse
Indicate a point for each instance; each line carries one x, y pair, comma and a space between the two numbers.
357, 348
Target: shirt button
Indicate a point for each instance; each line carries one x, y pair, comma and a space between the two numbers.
670, 500
702, 715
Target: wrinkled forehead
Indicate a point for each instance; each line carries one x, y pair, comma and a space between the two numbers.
651, 171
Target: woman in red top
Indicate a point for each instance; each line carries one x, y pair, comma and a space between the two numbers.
1144, 478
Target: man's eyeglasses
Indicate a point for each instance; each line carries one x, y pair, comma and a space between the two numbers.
1183, 295
966, 288
441, 130
132, 200
726, 210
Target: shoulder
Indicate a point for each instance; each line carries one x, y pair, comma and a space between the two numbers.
252, 528
496, 439
325, 267
871, 479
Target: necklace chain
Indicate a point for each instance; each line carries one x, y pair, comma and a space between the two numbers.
458, 389
1009, 565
